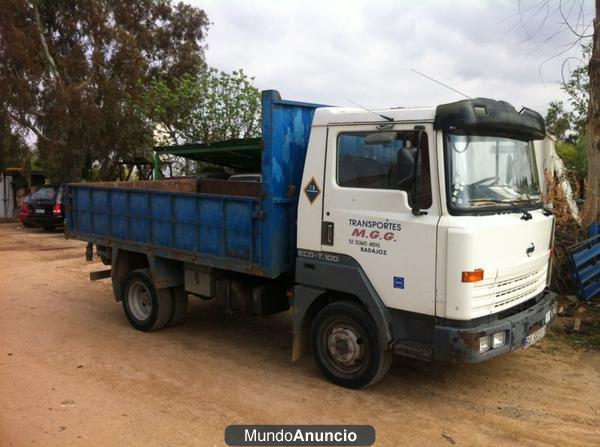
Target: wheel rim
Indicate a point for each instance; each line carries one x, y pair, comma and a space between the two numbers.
140, 301
345, 347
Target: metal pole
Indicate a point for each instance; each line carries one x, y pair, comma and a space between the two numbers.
156, 175
4, 199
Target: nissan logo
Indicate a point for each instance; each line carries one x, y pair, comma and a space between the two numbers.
530, 249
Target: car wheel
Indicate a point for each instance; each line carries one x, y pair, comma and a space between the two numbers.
146, 308
346, 345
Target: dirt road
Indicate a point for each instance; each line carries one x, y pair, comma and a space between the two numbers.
73, 372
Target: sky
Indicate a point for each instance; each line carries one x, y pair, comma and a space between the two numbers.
340, 52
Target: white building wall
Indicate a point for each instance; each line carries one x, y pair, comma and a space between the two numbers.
7, 204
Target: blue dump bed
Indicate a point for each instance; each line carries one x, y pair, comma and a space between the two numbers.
255, 235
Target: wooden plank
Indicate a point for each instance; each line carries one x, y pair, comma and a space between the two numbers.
100, 274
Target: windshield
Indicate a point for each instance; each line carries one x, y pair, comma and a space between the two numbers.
490, 172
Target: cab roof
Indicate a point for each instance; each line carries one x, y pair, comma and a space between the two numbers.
346, 115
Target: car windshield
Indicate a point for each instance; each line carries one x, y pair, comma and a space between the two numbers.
44, 193
490, 171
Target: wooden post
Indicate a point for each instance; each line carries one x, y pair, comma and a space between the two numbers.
593, 123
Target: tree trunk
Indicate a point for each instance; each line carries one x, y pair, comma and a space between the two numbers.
593, 124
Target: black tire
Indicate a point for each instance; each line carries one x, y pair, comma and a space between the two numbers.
354, 358
157, 309
180, 305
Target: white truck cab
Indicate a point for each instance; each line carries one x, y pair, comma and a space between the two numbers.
432, 220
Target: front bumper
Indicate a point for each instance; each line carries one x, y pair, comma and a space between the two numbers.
453, 343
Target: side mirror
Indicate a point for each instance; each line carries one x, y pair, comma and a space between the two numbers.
406, 168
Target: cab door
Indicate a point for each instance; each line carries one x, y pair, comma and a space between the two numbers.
366, 216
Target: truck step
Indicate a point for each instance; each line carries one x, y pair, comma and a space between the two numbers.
413, 349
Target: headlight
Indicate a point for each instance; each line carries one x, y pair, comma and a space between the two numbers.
484, 344
494, 341
499, 339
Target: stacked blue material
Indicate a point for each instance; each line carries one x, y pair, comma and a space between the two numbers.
584, 258
594, 229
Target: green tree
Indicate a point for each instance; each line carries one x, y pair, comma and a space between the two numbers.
559, 122
69, 69
577, 87
574, 156
569, 126
209, 106
13, 150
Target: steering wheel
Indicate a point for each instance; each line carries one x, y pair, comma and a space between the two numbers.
484, 180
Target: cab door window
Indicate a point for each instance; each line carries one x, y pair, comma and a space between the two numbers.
361, 164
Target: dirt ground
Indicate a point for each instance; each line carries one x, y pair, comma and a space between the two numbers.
73, 372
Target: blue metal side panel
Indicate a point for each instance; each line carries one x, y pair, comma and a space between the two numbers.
161, 219
221, 231
83, 215
184, 218
286, 130
138, 207
211, 216
120, 214
100, 222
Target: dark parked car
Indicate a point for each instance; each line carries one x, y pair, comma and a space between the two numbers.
46, 209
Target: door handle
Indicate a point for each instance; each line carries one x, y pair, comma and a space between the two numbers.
326, 233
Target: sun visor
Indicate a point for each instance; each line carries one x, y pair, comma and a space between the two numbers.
487, 117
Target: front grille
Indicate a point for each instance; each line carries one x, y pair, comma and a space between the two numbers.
495, 295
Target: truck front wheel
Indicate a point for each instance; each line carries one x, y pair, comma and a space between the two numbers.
146, 308
346, 347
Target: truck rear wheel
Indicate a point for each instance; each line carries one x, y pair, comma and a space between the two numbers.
180, 305
346, 346
146, 308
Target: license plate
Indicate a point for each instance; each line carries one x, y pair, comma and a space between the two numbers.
535, 337
40, 211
